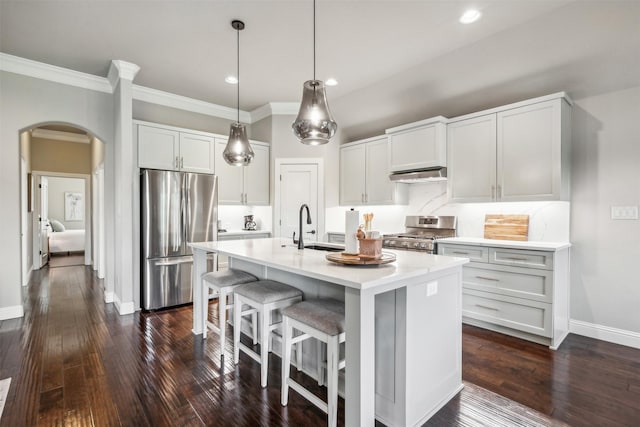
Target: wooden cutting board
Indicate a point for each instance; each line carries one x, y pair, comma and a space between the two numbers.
506, 227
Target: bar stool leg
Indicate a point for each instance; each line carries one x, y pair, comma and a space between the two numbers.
299, 356
264, 346
205, 309
222, 319
287, 333
320, 361
254, 328
237, 323
333, 356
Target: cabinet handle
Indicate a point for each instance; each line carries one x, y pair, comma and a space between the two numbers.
181, 162
499, 193
241, 198
460, 253
513, 258
487, 278
487, 307
362, 197
245, 198
177, 162
493, 192
366, 198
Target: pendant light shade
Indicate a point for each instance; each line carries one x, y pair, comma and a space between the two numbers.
238, 151
314, 124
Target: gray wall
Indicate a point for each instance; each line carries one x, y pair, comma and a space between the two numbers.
605, 288
26, 102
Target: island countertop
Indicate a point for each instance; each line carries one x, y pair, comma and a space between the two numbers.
283, 254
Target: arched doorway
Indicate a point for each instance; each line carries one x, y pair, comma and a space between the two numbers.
64, 153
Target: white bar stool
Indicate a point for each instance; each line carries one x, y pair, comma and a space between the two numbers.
322, 319
223, 283
263, 296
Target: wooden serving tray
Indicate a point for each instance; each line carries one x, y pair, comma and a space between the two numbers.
346, 259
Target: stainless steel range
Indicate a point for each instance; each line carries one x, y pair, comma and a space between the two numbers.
421, 233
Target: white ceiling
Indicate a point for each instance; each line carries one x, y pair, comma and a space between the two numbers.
385, 54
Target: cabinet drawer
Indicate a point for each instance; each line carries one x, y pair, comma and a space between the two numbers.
522, 258
474, 253
528, 283
524, 315
335, 237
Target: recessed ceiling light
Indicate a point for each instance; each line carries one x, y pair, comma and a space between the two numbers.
232, 80
471, 15
331, 82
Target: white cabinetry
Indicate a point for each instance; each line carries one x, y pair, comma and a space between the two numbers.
519, 152
243, 185
519, 292
418, 145
170, 149
364, 174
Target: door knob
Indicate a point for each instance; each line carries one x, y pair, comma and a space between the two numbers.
311, 232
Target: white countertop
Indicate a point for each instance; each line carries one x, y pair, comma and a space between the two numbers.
242, 232
530, 245
281, 254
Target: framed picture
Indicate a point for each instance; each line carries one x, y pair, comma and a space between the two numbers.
73, 206
29, 192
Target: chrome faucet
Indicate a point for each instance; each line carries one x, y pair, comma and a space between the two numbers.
300, 241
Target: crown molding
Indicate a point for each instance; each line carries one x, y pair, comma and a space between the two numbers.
121, 70
274, 109
180, 102
39, 70
60, 136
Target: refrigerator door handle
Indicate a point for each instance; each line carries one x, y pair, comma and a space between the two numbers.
176, 261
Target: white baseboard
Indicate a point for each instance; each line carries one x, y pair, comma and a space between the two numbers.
11, 312
605, 333
28, 279
108, 297
123, 307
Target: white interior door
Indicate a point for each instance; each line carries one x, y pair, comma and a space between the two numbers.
41, 246
298, 184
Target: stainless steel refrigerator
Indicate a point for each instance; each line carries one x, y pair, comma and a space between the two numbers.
177, 208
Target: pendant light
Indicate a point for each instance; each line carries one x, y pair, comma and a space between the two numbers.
238, 151
314, 124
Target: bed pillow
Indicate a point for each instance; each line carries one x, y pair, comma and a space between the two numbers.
56, 225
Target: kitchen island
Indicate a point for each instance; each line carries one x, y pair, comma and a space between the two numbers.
403, 322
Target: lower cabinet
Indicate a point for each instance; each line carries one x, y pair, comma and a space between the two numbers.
519, 292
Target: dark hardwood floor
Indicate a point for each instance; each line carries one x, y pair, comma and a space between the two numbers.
74, 361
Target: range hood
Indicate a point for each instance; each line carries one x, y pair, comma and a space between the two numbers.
423, 175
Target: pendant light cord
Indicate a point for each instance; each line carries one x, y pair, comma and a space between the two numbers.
238, 70
314, 39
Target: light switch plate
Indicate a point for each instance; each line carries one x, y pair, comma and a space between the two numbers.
624, 212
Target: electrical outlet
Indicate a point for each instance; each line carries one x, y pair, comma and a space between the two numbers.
624, 212
432, 288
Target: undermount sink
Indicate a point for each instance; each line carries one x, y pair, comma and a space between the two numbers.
326, 248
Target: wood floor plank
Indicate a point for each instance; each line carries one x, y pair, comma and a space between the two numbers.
75, 361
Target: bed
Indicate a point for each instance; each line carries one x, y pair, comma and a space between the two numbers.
66, 241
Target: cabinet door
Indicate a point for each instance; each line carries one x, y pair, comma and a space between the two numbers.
418, 148
158, 148
379, 190
230, 185
256, 177
471, 146
529, 152
352, 175
196, 153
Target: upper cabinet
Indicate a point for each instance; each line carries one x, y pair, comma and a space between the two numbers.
169, 149
364, 174
243, 185
519, 152
419, 145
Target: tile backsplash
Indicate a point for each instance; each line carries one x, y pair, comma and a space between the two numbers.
548, 221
